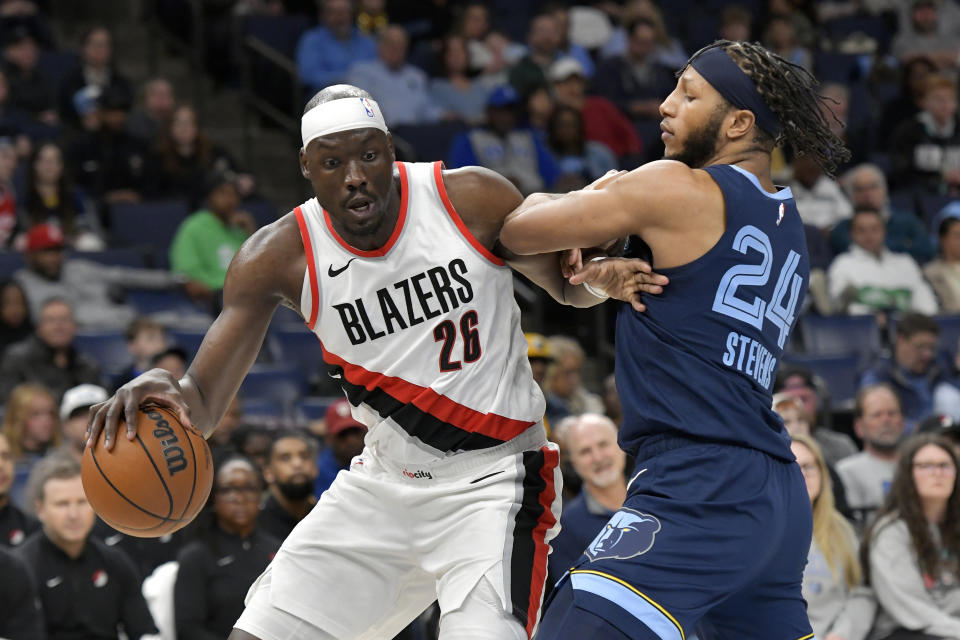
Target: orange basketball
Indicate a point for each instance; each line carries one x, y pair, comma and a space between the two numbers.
154, 484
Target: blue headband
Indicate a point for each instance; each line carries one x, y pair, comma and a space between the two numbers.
725, 76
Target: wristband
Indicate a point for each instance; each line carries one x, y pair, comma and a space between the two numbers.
596, 291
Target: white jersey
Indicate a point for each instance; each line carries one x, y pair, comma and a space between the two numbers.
424, 333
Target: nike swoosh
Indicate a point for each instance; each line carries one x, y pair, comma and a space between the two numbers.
489, 475
639, 473
222, 562
52, 582
112, 540
333, 273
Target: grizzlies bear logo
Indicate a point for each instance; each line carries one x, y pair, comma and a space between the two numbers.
628, 533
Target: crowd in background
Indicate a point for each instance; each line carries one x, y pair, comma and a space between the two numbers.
551, 95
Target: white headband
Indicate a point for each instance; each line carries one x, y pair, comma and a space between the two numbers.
342, 114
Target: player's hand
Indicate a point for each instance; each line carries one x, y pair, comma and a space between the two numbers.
625, 279
571, 261
156, 386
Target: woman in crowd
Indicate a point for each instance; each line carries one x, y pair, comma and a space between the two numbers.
229, 553
839, 606
32, 428
911, 551
459, 94
50, 197
581, 161
943, 273
15, 323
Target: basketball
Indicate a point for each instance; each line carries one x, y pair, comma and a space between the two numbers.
154, 484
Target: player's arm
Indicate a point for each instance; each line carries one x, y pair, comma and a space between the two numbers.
632, 203
267, 269
483, 198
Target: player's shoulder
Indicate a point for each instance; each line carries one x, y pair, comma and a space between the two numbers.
270, 257
480, 192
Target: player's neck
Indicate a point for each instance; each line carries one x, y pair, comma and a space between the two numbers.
751, 159
610, 497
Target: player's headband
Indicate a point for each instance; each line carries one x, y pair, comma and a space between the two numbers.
342, 114
728, 78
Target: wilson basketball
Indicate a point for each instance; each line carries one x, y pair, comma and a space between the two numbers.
154, 484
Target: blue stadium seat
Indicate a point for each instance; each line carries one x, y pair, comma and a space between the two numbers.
299, 348
841, 335
429, 141
54, 65
149, 301
148, 224
286, 318
262, 408
125, 257
838, 67
315, 407
280, 32
840, 373
949, 333
281, 383
108, 348
263, 211
10, 261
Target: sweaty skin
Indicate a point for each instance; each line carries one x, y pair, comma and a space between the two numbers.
353, 175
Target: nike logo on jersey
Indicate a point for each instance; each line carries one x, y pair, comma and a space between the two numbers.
53, 582
333, 273
224, 561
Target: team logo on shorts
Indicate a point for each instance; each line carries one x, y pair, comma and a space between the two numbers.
629, 533
367, 106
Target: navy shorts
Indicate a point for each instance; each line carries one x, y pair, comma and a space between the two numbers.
710, 536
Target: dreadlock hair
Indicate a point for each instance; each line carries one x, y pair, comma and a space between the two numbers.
791, 93
903, 502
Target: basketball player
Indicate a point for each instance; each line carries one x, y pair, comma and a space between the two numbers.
397, 269
716, 525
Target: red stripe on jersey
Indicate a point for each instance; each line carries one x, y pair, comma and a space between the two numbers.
457, 220
397, 228
551, 458
311, 268
431, 402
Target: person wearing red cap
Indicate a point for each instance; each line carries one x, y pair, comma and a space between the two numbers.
344, 440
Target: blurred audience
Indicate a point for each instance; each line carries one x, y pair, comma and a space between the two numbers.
325, 52
48, 357
565, 381
344, 440
866, 476
9, 225
456, 91
790, 406
96, 74
86, 589
579, 160
20, 614
15, 523
911, 551
568, 49
668, 51
153, 114
611, 400
173, 360
943, 273
75, 414
31, 428
29, 89
838, 603
291, 473
231, 551
145, 338
820, 200
908, 101
543, 49
921, 35
15, 323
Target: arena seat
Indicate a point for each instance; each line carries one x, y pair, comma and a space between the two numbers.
148, 224
150, 301
841, 335
315, 407
121, 257
10, 261
840, 373
299, 348
429, 141
187, 339
262, 408
949, 333
108, 348
282, 383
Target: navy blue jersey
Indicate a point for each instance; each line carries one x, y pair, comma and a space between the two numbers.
701, 359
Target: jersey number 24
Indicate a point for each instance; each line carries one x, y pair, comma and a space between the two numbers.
782, 306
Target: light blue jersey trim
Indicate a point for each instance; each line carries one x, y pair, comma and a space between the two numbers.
783, 194
629, 601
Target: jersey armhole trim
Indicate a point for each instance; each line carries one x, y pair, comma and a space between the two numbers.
458, 221
398, 227
311, 268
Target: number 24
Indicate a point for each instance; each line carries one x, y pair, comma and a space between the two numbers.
754, 312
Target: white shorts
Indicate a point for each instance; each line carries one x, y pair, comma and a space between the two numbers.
386, 540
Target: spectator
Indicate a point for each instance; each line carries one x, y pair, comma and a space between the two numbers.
221, 439
455, 91
920, 36
217, 569
869, 278
15, 323
908, 101
9, 226
15, 523
491, 52
858, 133
88, 286
944, 272
926, 149
48, 357
736, 23
833, 445
668, 52
344, 440
206, 241
543, 48
602, 121
592, 443
866, 476
564, 381
911, 550
30, 425
913, 372
153, 116
96, 74
399, 87
291, 473
29, 89
172, 359
568, 49
88, 590
502, 145
20, 614
637, 82
325, 52
866, 186
186, 157
820, 200
253, 441
50, 198
780, 37
838, 604
539, 107
74, 415
111, 162
145, 339
580, 161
